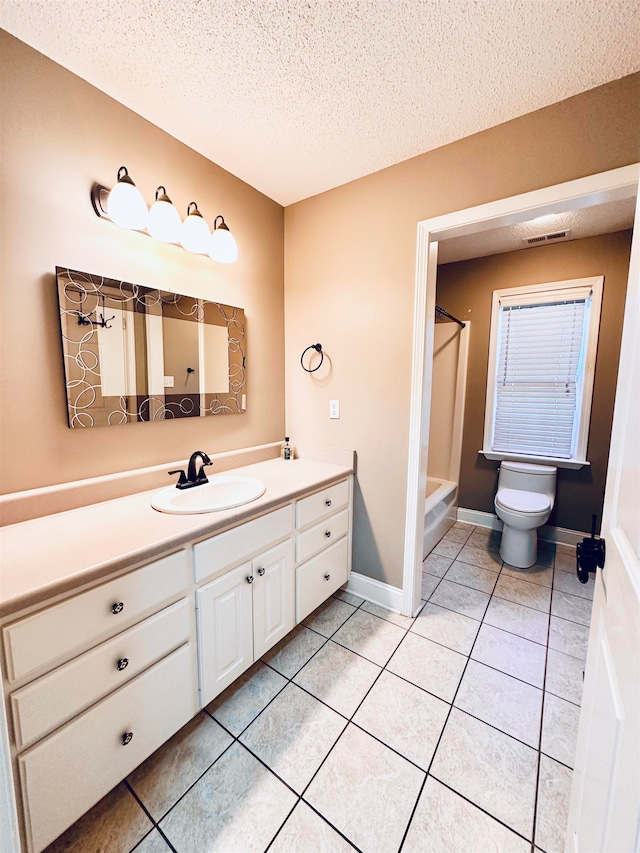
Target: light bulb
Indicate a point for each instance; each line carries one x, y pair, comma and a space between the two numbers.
195, 234
222, 245
125, 205
164, 221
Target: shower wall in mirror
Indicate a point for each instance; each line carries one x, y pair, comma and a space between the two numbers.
133, 353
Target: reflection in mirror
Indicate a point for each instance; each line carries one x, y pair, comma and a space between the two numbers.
132, 353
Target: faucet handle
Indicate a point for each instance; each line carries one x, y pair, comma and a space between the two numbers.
182, 479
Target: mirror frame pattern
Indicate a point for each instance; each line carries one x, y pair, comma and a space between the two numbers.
80, 296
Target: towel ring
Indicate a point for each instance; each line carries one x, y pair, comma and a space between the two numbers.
317, 348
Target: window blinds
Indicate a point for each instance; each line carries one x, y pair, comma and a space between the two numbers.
538, 378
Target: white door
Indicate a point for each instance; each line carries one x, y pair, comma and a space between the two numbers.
604, 813
273, 597
225, 633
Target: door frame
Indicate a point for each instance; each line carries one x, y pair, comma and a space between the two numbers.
592, 190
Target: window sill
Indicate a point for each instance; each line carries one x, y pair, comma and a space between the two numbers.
574, 464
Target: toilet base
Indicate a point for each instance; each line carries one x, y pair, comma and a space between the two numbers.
519, 548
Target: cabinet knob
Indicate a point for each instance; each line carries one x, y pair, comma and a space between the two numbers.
327, 533
127, 737
261, 572
328, 503
118, 607
123, 663
250, 579
327, 577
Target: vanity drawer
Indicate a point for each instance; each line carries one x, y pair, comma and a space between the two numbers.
326, 502
317, 538
58, 696
57, 631
66, 774
226, 550
317, 579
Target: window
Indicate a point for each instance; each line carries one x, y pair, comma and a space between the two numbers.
542, 357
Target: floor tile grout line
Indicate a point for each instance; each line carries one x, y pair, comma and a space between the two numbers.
299, 670
480, 808
513, 633
530, 583
502, 672
326, 820
469, 658
273, 698
282, 825
538, 609
564, 698
349, 721
571, 594
437, 746
539, 763
150, 816
466, 586
573, 621
192, 785
413, 811
154, 828
342, 624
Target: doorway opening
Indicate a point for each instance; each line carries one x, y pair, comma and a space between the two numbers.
575, 195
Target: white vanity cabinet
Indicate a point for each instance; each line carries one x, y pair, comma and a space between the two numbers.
99, 678
95, 684
246, 608
323, 545
241, 615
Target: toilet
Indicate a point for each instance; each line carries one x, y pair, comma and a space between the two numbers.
524, 501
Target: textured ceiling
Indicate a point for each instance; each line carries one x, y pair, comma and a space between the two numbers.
298, 96
586, 222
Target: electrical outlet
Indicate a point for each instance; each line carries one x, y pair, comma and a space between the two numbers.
168, 381
334, 408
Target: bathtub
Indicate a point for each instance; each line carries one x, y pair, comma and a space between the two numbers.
439, 511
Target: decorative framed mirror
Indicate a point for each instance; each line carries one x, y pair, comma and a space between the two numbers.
134, 353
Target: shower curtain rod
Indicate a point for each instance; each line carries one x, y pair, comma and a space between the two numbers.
444, 313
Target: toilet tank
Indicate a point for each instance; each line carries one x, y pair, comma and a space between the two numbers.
528, 478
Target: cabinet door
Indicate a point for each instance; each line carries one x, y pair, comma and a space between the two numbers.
225, 637
273, 597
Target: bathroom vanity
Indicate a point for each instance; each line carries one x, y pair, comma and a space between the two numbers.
119, 623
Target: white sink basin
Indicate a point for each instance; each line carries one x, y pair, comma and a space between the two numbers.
221, 492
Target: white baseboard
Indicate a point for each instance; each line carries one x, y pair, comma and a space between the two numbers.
372, 590
480, 519
564, 539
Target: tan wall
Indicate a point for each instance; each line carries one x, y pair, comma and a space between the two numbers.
349, 283
467, 288
446, 347
59, 135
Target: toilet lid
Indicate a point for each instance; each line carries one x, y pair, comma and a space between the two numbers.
521, 501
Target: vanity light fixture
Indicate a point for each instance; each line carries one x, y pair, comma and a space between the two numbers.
125, 205
222, 245
164, 220
195, 234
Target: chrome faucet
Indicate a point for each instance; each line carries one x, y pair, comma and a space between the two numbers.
194, 476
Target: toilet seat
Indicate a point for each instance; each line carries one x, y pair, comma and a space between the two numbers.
517, 500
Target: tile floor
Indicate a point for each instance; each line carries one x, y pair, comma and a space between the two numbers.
454, 731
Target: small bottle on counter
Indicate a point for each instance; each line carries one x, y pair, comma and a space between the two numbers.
286, 451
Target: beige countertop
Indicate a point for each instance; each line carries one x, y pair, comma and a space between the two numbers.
47, 556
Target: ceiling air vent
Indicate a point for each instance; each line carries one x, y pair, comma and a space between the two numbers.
546, 238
